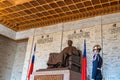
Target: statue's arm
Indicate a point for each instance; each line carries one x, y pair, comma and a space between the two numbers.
76, 51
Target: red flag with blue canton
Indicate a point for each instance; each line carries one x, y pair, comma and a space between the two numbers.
32, 63
84, 63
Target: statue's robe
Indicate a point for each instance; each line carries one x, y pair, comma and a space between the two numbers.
61, 59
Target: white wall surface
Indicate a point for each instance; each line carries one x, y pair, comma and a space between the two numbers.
7, 56
19, 61
12, 56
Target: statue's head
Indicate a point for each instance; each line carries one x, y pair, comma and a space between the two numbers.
70, 42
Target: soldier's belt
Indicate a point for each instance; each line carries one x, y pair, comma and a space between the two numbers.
98, 68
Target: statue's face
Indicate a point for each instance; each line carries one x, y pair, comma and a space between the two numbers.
69, 42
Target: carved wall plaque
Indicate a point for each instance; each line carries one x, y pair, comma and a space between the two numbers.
79, 35
44, 40
49, 77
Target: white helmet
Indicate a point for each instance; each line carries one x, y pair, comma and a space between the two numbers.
96, 47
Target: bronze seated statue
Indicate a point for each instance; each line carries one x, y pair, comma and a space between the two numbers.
69, 58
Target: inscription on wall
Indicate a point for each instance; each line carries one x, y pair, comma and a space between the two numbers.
43, 40
114, 31
79, 35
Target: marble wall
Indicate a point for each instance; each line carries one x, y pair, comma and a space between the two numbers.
111, 51
7, 56
19, 61
12, 56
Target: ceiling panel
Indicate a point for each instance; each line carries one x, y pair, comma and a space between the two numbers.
38, 13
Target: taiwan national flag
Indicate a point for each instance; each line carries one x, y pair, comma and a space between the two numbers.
32, 63
84, 63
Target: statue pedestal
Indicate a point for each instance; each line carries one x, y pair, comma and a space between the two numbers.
55, 74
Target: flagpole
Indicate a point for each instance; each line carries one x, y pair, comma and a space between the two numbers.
30, 54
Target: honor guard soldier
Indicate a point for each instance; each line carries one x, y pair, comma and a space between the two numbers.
97, 63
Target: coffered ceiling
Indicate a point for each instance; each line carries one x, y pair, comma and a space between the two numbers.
21, 15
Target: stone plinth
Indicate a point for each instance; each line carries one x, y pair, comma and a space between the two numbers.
56, 74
